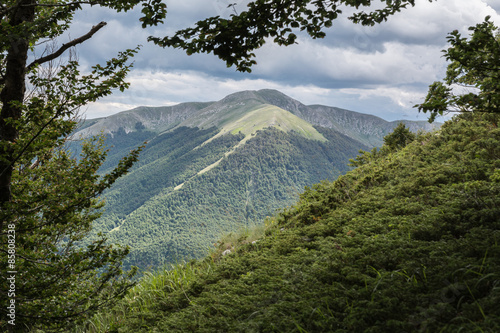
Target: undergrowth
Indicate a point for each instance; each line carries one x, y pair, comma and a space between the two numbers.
409, 241
142, 297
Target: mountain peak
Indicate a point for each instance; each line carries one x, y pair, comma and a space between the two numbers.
262, 95
241, 95
269, 116
249, 111
236, 107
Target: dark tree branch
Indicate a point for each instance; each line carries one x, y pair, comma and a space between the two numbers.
4, 10
61, 50
66, 46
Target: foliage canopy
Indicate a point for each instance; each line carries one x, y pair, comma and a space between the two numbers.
472, 82
235, 39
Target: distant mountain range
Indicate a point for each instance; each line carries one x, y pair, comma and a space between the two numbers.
215, 167
367, 129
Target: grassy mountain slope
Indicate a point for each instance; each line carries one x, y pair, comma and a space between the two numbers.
409, 241
365, 128
266, 116
164, 222
227, 110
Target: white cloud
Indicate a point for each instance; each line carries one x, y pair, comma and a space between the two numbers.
404, 97
382, 69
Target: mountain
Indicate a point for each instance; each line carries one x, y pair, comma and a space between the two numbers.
216, 167
365, 128
156, 119
407, 242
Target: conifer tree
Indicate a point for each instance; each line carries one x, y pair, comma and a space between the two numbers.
49, 198
399, 137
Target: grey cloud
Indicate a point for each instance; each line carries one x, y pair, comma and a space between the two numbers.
381, 69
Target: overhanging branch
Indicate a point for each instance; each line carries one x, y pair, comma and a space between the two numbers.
66, 46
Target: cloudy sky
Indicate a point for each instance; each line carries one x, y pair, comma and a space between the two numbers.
382, 70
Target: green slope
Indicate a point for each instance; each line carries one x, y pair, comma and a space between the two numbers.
168, 160
164, 222
265, 116
408, 242
225, 111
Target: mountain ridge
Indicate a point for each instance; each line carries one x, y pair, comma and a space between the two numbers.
365, 128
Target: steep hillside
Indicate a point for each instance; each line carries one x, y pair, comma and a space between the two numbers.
173, 207
211, 168
407, 242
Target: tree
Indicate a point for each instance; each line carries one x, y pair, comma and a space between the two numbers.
472, 82
234, 40
399, 138
49, 198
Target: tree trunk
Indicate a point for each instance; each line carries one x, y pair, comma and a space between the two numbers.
12, 94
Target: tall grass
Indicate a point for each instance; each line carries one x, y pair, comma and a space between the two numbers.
160, 282
240, 237
140, 298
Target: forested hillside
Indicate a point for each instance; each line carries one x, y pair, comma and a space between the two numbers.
408, 241
166, 212
225, 167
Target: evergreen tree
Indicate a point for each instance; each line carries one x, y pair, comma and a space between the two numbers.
398, 138
48, 198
